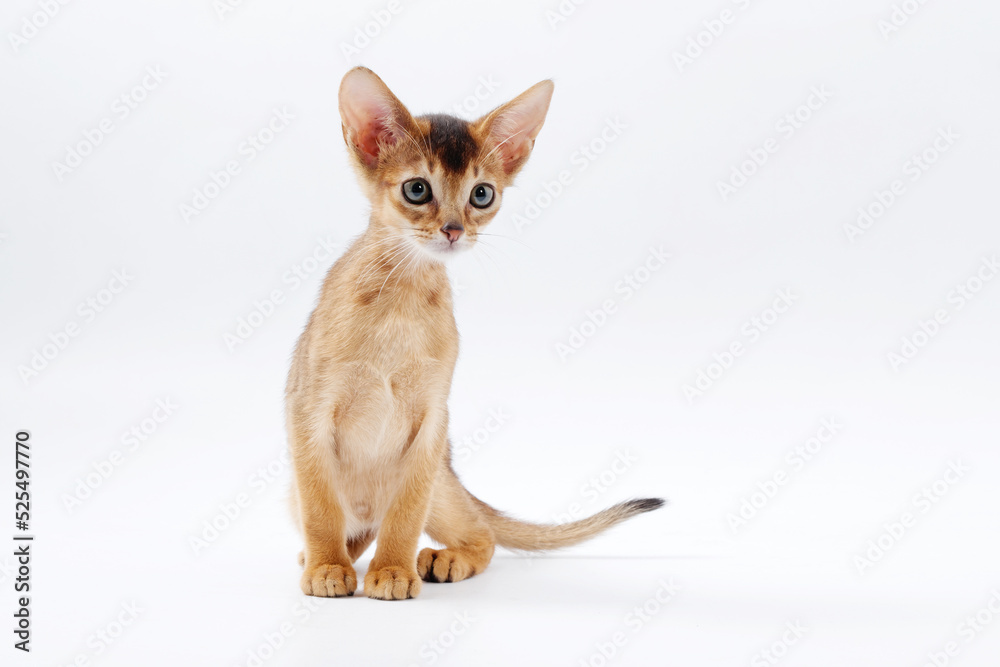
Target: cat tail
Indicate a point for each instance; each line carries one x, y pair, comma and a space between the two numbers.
526, 536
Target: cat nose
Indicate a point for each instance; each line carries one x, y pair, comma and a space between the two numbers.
453, 230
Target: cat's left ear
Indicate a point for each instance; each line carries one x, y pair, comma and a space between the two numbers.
510, 129
373, 118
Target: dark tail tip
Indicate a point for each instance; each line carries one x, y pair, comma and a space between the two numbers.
640, 505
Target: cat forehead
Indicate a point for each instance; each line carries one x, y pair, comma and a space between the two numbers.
451, 141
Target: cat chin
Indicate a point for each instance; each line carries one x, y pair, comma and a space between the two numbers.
440, 252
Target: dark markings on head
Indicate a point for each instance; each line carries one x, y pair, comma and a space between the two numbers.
451, 141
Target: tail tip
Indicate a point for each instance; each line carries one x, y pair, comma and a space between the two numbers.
640, 505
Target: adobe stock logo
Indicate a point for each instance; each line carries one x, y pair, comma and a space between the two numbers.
471, 444
957, 298
105, 636
581, 158
224, 7
635, 620
786, 127
751, 332
627, 287
712, 30
922, 502
121, 108
562, 12
263, 309
132, 439
470, 104
751, 504
88, 311
914, 168
598, 485
433, 649
970, 628
365, 35
899, 17
248, 150
31, 25
229, 512
778, 649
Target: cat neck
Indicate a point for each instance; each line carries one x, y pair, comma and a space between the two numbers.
390, 270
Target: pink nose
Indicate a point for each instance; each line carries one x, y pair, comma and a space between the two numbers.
453, 230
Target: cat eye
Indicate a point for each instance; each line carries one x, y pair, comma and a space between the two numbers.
482, 195
417, 191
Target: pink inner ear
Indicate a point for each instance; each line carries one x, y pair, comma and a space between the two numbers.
368, 138
513, 141
518, 123
368, 114
513, 149
371, 126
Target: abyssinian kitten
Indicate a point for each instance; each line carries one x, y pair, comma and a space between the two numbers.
367, 396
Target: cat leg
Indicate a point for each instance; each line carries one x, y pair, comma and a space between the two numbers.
392, 574
355, 547
327, 570
456, 522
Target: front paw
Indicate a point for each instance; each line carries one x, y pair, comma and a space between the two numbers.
329, 581
391, 583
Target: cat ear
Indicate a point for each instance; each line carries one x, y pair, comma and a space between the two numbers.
510, 129
373, 118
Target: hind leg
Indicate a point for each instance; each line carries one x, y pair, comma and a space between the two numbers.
455, 521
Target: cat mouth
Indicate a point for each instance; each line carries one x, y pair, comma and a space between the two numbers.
443, 249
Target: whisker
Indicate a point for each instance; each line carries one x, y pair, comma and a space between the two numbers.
480, 264
486, 250
488, 246
506, 238
371, 267
410, 137
497, 147
415, 257
389, 254
412, 250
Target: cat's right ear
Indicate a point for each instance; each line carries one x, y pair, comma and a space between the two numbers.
511, 128
373, 118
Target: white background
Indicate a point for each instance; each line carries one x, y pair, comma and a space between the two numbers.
686, 127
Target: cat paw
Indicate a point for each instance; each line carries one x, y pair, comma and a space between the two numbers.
391, 583
444, 565
329, 581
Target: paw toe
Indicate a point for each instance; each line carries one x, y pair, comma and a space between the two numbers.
391, 583
444, 565
329, 581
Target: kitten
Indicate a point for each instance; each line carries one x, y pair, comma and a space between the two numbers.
367, 394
